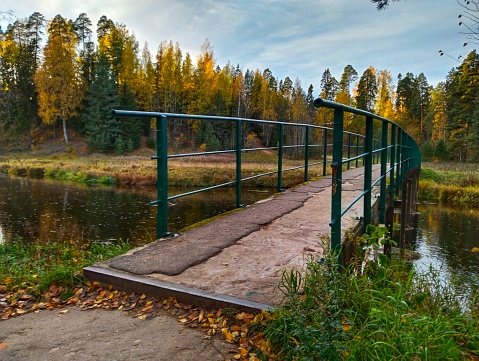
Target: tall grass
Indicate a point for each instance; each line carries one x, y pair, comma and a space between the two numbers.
387, 312
453, 183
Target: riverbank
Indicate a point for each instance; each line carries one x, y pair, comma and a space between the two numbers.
450, 182
139, 169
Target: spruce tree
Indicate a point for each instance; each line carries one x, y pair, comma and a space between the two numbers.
101, 127
131, 128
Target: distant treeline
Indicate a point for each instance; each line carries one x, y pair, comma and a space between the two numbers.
74, 81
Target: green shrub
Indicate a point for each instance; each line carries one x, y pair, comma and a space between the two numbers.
428, 174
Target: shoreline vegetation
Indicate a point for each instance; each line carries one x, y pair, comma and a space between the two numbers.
198, 171
449, 182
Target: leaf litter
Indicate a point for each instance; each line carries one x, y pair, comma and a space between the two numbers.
237, 328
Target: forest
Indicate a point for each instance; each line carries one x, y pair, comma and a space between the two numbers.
68, 87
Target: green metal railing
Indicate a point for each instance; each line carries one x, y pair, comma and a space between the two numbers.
320, 142
333, 146
396, 151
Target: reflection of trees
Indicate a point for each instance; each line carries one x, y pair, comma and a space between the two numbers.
53, 211
454, 231
48, 211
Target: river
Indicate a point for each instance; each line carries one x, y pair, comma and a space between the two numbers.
446, 235
52, 211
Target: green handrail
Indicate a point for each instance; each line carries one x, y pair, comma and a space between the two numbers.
163, 156
395, 144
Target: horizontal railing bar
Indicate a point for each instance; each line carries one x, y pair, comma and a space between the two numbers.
133, 113
256, 149
201, 190
354, 158
330, 104
258, 175
354, 201
196, 154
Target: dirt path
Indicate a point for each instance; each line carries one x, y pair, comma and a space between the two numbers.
97, 335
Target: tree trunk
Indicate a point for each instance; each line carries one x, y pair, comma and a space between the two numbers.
65, 135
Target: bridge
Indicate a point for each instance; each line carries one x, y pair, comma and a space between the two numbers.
237, 259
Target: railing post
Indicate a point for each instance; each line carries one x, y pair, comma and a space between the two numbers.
392, 181
349, 150
238, 161
337, 176
325, 150
399, 154
384, 160
306, 155
357, 150
162, 177
368, 168
280, 158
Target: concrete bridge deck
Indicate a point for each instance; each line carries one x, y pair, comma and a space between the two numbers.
237, 259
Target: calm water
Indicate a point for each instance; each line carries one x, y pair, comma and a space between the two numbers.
52, 211
445, 238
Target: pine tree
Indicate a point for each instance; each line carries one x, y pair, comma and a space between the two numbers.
367, 90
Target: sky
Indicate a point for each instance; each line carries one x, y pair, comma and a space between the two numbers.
296, 38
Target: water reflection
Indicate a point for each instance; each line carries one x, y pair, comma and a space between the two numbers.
51, 211
445, 238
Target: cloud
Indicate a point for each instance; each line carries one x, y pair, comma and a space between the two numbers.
292, 38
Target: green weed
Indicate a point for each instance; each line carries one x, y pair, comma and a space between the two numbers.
37, 266
387, 312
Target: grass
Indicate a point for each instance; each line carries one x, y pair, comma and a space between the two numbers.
200, 171
453, 183
388, 311
35, 267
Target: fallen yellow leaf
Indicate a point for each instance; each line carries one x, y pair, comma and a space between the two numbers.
79, 291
